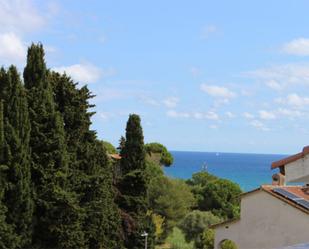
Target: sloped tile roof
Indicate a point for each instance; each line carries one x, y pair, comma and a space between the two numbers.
290, 159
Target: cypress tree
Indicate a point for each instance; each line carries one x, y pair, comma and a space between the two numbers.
133, 186
90, 171
8, 239
57, 214
17, 196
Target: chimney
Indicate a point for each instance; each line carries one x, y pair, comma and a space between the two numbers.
278, 179
306, 188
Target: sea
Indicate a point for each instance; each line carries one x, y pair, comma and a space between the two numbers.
248, 170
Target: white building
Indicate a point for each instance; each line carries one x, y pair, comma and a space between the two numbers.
272, 216
295, 168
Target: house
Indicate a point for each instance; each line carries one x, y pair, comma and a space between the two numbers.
273, 216
294, 168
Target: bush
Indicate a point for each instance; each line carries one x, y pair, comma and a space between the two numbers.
196, 222
110, 149
205, 240
176, 240
158, 153
170, 198
228, 244
220, 196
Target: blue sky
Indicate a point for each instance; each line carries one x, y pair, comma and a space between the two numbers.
203, 75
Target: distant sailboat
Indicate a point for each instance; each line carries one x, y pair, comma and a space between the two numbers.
204, 167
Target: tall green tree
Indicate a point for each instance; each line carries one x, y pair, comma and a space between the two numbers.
8, 238
133, 186
17, 197
221, 197
196, 222
170, 198
89, 169
57, 214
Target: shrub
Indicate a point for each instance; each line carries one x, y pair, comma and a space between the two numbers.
196, 222
228, 244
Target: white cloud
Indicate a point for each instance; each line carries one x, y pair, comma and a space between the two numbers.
217, 91
296, 100
174, 114
110, 94
266, 115
171, 102
149, 100
19, 16
198, 115
219, 102
208, 31
12, 49
246, 93
194, 115
85, 72
104, 115
248, 115
259, 125
289, 113
212, 115
281, 76
298, 46
293, 100
230, 115
273, 84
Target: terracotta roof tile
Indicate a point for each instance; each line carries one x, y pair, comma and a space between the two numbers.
290, 159
115, 156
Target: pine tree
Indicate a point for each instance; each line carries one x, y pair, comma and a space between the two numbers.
133, 186
57, 214
91, 173
17, 197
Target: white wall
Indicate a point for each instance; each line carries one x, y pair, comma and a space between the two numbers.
298, 171
266, 222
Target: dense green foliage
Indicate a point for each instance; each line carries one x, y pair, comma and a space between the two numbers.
90, 171
159, 154
170, 198
9, 238
110, 149
176, 240
228, 244
205, 240
196, 222
55, 177
56, 214
219, 196
16, 128
133, 186
60, 189
222, 198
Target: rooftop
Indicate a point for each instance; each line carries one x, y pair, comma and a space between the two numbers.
290, 159
115, 156
297, 190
